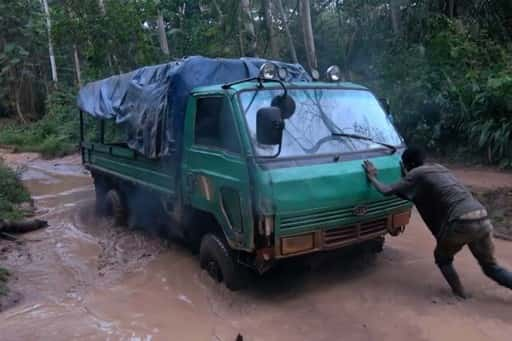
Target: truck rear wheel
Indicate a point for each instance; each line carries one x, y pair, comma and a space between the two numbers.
219, 261
115, 207
100, 190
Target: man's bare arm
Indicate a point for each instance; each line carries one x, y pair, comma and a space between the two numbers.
384, 189
394, 189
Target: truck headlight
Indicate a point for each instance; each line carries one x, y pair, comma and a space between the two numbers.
297, 244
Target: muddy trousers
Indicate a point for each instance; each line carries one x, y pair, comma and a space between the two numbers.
477, 234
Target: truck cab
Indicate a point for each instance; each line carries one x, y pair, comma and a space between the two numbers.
263, 169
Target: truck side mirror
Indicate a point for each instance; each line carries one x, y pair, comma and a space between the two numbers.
269, 126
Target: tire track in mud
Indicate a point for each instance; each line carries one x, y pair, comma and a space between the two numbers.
121, 249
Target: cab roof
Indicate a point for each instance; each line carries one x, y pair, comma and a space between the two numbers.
253, 85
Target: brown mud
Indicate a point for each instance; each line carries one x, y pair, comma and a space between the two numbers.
499, 206
82, 278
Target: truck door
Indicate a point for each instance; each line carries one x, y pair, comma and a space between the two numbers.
216, 177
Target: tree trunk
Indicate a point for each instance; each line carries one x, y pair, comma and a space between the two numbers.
77, 65
274, 49
101, 3
291, 45
249, 32
103, 12
395, 16
220, 13
241, 34
451, 8
309, 40
51, 53
164, 44
341, 29
16, 91
18, 108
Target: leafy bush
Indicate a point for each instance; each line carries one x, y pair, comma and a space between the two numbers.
56, 134
12, 193
452, 90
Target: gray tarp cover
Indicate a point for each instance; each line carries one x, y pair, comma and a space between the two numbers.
145, 100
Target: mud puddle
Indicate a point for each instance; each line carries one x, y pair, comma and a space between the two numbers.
55, 269
83, 279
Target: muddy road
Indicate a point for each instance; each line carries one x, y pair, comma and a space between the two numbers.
83, 279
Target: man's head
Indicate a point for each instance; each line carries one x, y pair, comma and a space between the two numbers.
413, 157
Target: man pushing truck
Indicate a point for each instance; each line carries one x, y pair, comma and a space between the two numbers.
452, 214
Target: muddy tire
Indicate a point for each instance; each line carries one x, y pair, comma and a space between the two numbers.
100, 189
115, 208
219, 261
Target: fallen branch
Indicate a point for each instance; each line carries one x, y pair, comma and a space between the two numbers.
8, 236
24, 226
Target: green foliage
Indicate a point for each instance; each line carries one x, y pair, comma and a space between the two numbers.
21, 78
447, 75
56, 134
12, 193
451, 88
117, 40
199, 28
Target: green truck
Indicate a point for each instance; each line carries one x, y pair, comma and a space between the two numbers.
256, 164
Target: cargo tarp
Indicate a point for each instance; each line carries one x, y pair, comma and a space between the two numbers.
145, 100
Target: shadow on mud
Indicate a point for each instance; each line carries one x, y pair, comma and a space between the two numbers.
315, 272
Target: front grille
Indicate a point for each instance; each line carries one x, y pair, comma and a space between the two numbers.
337, 216
349, 234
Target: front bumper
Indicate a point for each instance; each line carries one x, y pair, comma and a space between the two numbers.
339, 237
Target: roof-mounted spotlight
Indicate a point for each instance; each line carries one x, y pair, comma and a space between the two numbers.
268, 71
282, 73
315, 74
334, 73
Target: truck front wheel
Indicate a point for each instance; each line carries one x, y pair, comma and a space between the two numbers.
219, 261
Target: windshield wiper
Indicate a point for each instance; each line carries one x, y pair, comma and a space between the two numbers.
366, 138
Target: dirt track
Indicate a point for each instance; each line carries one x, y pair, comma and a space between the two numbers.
82, 279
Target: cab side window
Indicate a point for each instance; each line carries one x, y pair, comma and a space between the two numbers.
214, 125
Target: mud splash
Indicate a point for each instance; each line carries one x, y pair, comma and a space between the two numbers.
83, 278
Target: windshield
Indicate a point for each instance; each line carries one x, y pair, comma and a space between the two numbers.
319, 116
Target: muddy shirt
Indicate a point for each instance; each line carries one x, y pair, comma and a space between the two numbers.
439, 197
